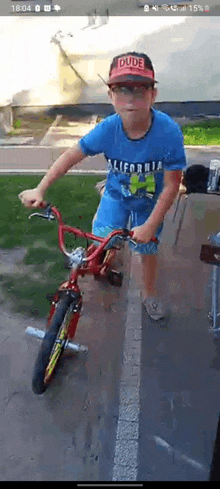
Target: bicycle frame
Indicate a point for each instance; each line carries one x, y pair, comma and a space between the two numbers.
90, 265
66, 303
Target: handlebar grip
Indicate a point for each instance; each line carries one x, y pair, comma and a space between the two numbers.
127, 232
154, 239
43, 204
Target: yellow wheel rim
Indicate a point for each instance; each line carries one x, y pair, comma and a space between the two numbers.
57, 348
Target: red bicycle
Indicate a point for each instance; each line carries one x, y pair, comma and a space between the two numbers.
66, 303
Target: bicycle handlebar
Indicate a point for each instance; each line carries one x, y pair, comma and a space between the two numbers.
52, 212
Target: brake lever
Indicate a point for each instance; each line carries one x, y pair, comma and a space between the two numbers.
127, 238
47, 214
133, 242
49, 218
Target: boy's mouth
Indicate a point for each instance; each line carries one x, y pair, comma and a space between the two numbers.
130, 109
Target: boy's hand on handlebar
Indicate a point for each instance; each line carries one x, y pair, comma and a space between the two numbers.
141, 234
31, 198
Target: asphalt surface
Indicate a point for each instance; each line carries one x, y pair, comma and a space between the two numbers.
180, 363
144, 405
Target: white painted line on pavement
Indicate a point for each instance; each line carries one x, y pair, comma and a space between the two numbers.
177, 453
127, 435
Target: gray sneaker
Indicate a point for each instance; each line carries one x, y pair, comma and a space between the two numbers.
154, 308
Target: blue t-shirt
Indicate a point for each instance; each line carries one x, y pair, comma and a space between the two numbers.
136, 167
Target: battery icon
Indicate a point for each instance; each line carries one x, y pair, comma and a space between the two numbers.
206, 9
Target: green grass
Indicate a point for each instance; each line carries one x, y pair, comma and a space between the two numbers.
77, 199
35, 126
202, 133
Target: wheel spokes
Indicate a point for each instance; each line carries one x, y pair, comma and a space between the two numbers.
58, 347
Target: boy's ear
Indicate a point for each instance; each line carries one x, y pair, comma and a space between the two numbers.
154, 94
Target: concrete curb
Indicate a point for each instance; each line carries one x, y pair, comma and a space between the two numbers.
64, 148
205, 148
42, 172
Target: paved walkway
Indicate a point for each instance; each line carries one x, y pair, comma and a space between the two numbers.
179, 391
20, 155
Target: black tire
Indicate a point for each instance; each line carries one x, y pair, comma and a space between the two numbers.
38, 384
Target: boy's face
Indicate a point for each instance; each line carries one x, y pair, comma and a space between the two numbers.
132, 101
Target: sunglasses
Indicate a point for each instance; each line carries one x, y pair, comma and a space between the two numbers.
125, 90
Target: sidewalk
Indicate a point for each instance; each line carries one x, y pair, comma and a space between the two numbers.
26, 160
21, 157
63, 133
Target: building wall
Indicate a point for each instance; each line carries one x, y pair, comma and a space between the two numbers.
185, 53
185, 56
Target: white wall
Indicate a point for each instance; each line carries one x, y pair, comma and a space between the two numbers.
185, 52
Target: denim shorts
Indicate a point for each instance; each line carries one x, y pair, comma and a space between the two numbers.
116, 212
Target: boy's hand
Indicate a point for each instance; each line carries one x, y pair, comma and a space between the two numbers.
142, 234
31, 198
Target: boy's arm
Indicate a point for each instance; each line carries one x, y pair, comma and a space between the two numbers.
61, 166
145, 232
34, 197
172, 179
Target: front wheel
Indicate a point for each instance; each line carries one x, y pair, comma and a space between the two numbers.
52, 347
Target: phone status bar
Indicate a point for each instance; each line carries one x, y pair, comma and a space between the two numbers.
176, 8
98, 7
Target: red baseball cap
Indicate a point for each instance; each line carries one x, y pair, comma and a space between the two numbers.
130, 68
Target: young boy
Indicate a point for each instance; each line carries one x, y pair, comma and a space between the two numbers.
145, 155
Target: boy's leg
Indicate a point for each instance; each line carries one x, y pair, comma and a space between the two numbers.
146, 267
150, 273
145, 274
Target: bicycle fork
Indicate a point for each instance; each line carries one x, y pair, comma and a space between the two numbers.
76, 307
